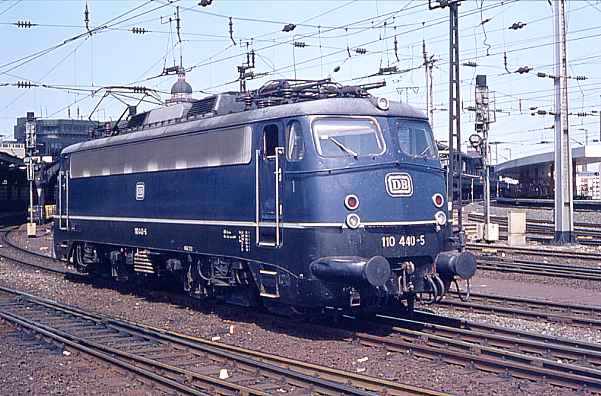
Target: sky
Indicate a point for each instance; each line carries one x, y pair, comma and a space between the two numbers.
75, 62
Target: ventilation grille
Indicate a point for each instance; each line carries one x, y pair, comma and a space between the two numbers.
203, 106
142, 262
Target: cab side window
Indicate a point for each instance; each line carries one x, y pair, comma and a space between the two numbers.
295, 142
270, 140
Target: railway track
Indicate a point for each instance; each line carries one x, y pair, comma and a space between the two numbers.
532, 251
499, 350
529, 267
525, 308
186, 364
43, 262
542, 231
561, 362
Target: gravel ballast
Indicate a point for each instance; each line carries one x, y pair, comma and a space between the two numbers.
334, 348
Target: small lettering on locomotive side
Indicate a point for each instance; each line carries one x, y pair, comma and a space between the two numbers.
390, 241
141, 231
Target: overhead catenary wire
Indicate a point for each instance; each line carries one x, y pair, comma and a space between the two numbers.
324, 60
313, 59
111, 22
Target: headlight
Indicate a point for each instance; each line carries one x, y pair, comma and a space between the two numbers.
353, 221
383, 103
441, 218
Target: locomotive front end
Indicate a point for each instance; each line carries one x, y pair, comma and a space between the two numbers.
384, 183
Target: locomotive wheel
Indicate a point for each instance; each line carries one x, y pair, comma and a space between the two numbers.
85, 258
78, 262
193, 280
410, 307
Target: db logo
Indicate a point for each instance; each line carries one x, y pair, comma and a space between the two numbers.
140, 191
399, 185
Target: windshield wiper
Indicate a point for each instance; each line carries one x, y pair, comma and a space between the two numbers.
426, 150
343, 147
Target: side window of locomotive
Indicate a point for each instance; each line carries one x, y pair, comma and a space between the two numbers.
270, 140
296, 144
229, 146
344, 136
414, 138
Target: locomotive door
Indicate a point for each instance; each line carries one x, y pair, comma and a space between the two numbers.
269, 159
63, 199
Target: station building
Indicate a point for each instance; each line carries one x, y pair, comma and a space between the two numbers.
14, 189
471, 166
55, 134
12, 147
532, 176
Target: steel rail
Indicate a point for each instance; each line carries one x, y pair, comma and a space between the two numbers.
532, 251
323, 379
542, 269
454, 349
537, 228
529, 309
577, 352
213, 385
579, 226
60, 266
99, 353
5, 238
493, 331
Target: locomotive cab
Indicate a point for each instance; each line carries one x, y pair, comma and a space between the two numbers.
363, 196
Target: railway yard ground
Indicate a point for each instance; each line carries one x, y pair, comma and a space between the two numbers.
560, 331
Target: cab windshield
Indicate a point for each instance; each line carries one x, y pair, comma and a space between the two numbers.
346, 136
414, 138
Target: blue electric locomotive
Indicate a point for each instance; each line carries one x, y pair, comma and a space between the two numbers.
298, 196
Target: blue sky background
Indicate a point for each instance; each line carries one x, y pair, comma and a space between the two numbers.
113, 55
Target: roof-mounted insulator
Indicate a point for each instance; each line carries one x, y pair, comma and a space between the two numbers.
289, 27
25, 84
523, 70
24, 24
517, 25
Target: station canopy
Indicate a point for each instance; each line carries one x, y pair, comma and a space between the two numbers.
580, 155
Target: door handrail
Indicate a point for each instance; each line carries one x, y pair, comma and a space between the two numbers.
257, 198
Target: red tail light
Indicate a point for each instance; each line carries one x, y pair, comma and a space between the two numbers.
351, 202
438, 200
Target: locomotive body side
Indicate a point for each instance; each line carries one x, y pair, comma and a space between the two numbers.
332, 202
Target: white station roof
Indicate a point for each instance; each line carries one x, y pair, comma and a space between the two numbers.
580, 155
